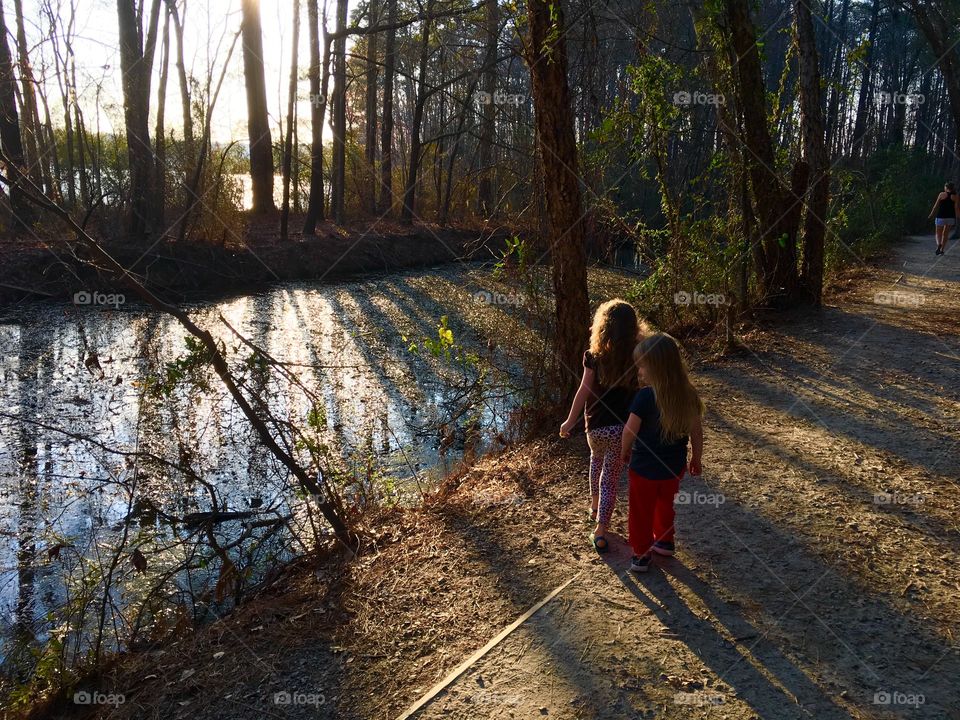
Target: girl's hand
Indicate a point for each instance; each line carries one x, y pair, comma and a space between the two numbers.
566, 428
695, 469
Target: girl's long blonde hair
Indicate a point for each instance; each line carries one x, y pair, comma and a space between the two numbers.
666, 372
615, 331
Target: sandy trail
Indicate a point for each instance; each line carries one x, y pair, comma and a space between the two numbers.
817, 572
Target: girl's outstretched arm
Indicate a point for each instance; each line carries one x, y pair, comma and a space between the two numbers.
630, 431
579, 401
696, 444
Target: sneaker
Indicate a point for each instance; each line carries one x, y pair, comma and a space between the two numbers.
640, 564
663, 547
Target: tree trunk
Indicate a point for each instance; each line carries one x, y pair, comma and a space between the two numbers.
815, 153
370, 139
184, 87
865, 101
937, 29
547, 57
33, 155
160, 164
386, 127
778, 272
136, 61
291, 119
485, 199
833, 104
22, 214
258, 124
408, 211
317, 107
339, 158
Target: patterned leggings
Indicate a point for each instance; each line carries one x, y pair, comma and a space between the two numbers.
606, 468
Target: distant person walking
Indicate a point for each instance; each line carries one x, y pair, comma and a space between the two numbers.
608, 385
947, 210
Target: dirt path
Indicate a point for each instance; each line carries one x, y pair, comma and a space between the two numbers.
817, 572
816, 577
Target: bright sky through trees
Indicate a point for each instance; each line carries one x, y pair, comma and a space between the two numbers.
208, 31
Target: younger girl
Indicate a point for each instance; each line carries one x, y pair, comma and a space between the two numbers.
609, 382
664, 416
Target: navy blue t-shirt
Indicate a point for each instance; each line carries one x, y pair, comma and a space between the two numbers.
653, 458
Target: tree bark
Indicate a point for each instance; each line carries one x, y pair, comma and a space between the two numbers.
33, 155
136, 62
291, 119
160, 169
339, 157
22, 214
833, 105
547, 57
184, 85
778, 271
386, 126
370, 139
815, 153
936, 28
866, 86
408, 211
317, 107
258, 124
485, 199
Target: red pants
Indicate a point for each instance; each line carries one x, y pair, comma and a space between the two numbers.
651, 514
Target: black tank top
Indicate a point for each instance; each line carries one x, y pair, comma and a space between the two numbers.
946, 208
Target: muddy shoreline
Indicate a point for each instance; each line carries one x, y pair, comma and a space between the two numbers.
57, 268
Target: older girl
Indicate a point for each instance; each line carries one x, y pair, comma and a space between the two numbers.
609, 382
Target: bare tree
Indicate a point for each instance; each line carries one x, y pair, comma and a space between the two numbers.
416, 141
10, 132
547, 58
317, 108
485, 200
258, 124
291, 121
370, 110
136, 63
338, 172
814, 152
386, 128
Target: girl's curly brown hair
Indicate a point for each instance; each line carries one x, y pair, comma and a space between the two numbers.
614, 334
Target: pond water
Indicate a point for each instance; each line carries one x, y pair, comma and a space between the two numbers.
78, 430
